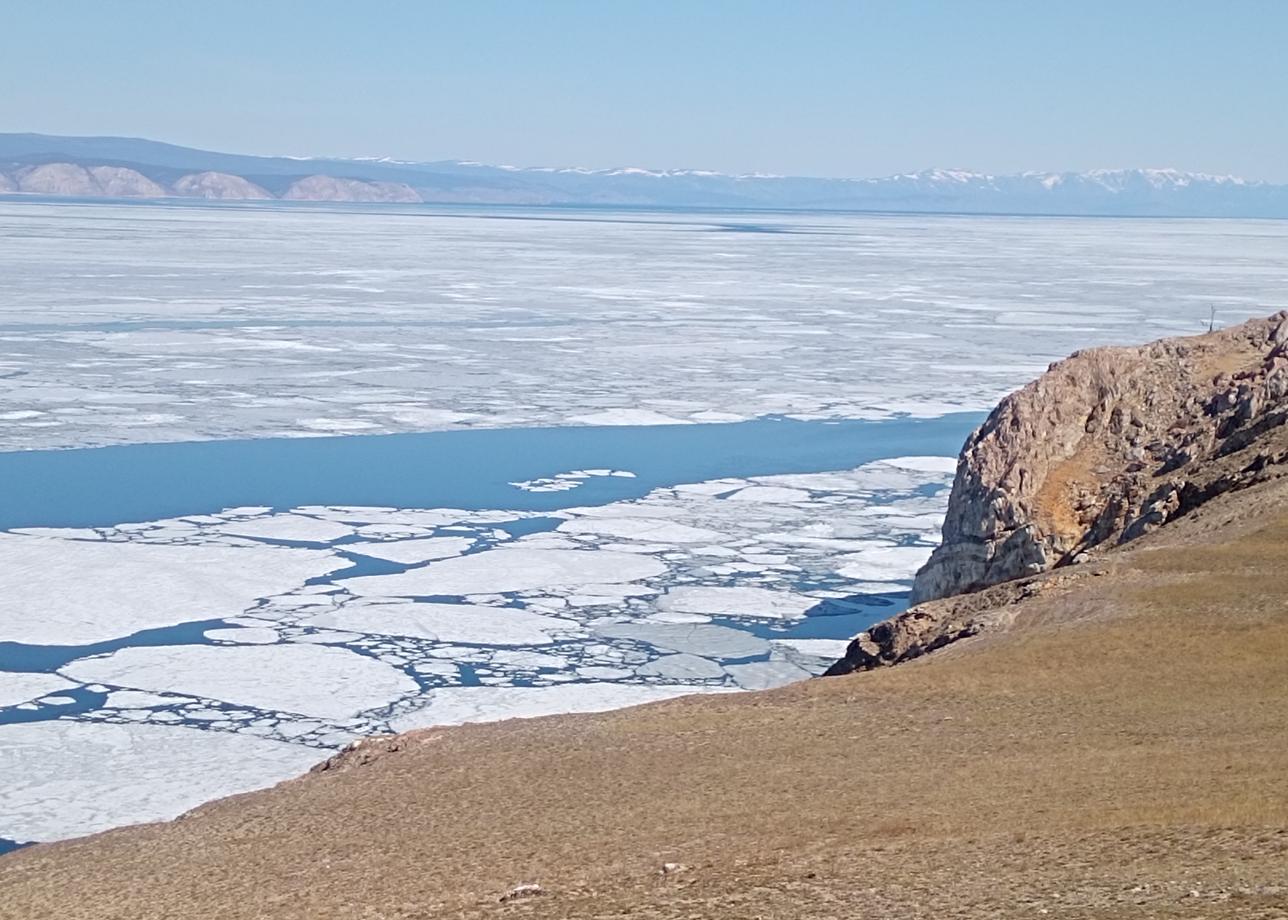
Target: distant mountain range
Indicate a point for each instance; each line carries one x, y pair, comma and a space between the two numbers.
121, 167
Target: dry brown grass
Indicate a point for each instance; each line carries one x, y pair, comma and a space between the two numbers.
1123, 752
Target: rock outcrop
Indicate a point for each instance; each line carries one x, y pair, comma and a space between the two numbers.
68, 179
330, 188
219, 186
1103, 448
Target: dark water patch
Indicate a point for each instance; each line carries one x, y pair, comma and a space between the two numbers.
360, 565
18, 656
84, 701
471, 469
8, 846
834, 618
525, 526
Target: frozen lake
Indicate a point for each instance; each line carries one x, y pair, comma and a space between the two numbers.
122, 324
590, 459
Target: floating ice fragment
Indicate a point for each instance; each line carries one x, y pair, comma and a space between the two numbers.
763, 675
295, 527
736, 601
314, 680
700, 639
408, 552
18, 688
510, 569
249, 635
774, 494
815, 648
467, 624
457, 705
627, 417
681, 667
170, 770
637, 528
69, 592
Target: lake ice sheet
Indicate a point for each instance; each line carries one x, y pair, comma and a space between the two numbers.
171, 324
133, 323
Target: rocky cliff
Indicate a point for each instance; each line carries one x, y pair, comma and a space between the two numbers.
1104, 447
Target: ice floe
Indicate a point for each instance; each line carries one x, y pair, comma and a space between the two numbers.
458, 705
74, 592
410, 552
101, 776
313, 680
18, 688
737, 601
510, 569
470, 624
290, 527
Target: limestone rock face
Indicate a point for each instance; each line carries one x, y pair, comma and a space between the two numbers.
1105, 446
220, 186
330, 188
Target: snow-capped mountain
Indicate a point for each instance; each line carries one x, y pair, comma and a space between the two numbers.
131, 167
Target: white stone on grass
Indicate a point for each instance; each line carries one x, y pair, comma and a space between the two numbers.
109, 775
313, 680
69, 592
510, 569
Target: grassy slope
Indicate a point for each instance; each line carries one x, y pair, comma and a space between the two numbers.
1121, 752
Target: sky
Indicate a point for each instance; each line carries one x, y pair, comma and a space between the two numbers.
807, 87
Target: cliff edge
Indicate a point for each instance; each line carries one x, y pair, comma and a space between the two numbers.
1103, 448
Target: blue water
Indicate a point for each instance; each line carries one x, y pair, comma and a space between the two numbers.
18, 656
8, 846
468, 469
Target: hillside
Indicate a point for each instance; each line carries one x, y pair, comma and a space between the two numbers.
48, 165
1112, 745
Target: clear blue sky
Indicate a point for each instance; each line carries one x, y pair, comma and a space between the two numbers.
813, 88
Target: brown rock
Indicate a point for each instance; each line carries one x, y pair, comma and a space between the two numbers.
1059, 468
